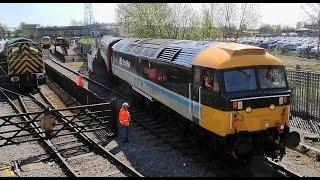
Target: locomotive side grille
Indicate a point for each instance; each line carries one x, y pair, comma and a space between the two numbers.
185, 57
168, 53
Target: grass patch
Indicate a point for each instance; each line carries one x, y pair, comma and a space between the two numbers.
90, 41
291, 62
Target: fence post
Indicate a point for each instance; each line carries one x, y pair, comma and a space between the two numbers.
308, 93
114, 116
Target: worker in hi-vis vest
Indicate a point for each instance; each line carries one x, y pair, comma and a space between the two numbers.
124, 119
80, 80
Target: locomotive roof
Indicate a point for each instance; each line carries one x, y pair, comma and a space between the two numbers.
179, 52
230, 55
218, 55
18, 40
106, 40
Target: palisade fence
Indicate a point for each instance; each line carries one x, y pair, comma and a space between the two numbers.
305, 97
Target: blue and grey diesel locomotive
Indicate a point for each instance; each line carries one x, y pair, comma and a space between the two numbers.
236, 94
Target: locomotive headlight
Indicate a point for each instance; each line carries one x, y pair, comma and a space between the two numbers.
280, 100
239, 104
15, 79
267, 124
248, 109
272, 107
41, 76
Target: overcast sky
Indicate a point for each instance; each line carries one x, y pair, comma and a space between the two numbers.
60, 14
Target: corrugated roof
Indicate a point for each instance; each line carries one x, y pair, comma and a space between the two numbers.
149, 48
106, 40
180, 52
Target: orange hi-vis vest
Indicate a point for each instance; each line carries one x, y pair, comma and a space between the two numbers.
124, 117
80, 80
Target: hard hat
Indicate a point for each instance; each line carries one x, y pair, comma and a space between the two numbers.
125, 104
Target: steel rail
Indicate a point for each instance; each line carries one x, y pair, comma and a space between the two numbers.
85, 77
281, 168
47, 142
309, 147
11, 91
4, 72
112, 158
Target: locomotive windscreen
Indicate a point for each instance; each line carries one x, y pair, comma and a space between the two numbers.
247, 79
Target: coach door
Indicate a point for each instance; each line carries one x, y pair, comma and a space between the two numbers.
196, 94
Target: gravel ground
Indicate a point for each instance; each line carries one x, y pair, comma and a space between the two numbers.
304, 137
151, 157
302, 164
27, 150
93, 165
145, 155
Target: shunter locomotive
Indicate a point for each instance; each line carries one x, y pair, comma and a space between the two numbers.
25, 63
235, 94
46, 42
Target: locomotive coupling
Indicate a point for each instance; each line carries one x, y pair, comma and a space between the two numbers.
292, 139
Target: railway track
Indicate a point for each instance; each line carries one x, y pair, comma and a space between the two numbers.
77, 153
190, 148
174, 138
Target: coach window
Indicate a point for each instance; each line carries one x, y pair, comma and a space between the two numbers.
210, 81
196, 76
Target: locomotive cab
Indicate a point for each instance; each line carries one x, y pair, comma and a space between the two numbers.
247, 104
25, 64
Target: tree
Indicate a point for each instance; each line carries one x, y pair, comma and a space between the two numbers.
249, 16
227, 18
27, 30
312, 11
270, 29
209, 28
76, 23
3, 30
144, 20
299, 25
236, 17
3, 27
181, 21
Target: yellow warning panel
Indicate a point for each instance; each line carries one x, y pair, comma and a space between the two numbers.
6, 171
